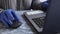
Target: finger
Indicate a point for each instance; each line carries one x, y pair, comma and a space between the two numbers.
16, 16
7, 19
4, 22
9, 15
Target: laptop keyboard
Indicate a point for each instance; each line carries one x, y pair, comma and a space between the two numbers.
39, 21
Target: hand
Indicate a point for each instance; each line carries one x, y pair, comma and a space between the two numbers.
45, 6
8, 17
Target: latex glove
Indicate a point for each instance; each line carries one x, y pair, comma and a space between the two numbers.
9, 16
45, 6
4, 20
12, 15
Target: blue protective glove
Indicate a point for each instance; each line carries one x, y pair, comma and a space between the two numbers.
8, 16
45, 6
4, 20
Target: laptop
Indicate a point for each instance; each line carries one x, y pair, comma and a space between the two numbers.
36, 18
52, 21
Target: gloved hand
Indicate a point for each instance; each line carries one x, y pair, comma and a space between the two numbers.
45, 6
8, 17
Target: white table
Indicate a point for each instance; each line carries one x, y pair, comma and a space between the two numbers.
23, 29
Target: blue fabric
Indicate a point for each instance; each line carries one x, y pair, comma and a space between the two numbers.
8, 16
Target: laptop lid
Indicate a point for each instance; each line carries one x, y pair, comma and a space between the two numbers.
52, 22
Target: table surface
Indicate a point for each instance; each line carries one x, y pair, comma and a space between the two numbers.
23, 29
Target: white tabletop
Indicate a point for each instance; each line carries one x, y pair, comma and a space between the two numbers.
23, 29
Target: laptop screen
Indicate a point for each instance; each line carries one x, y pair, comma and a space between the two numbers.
52, 22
